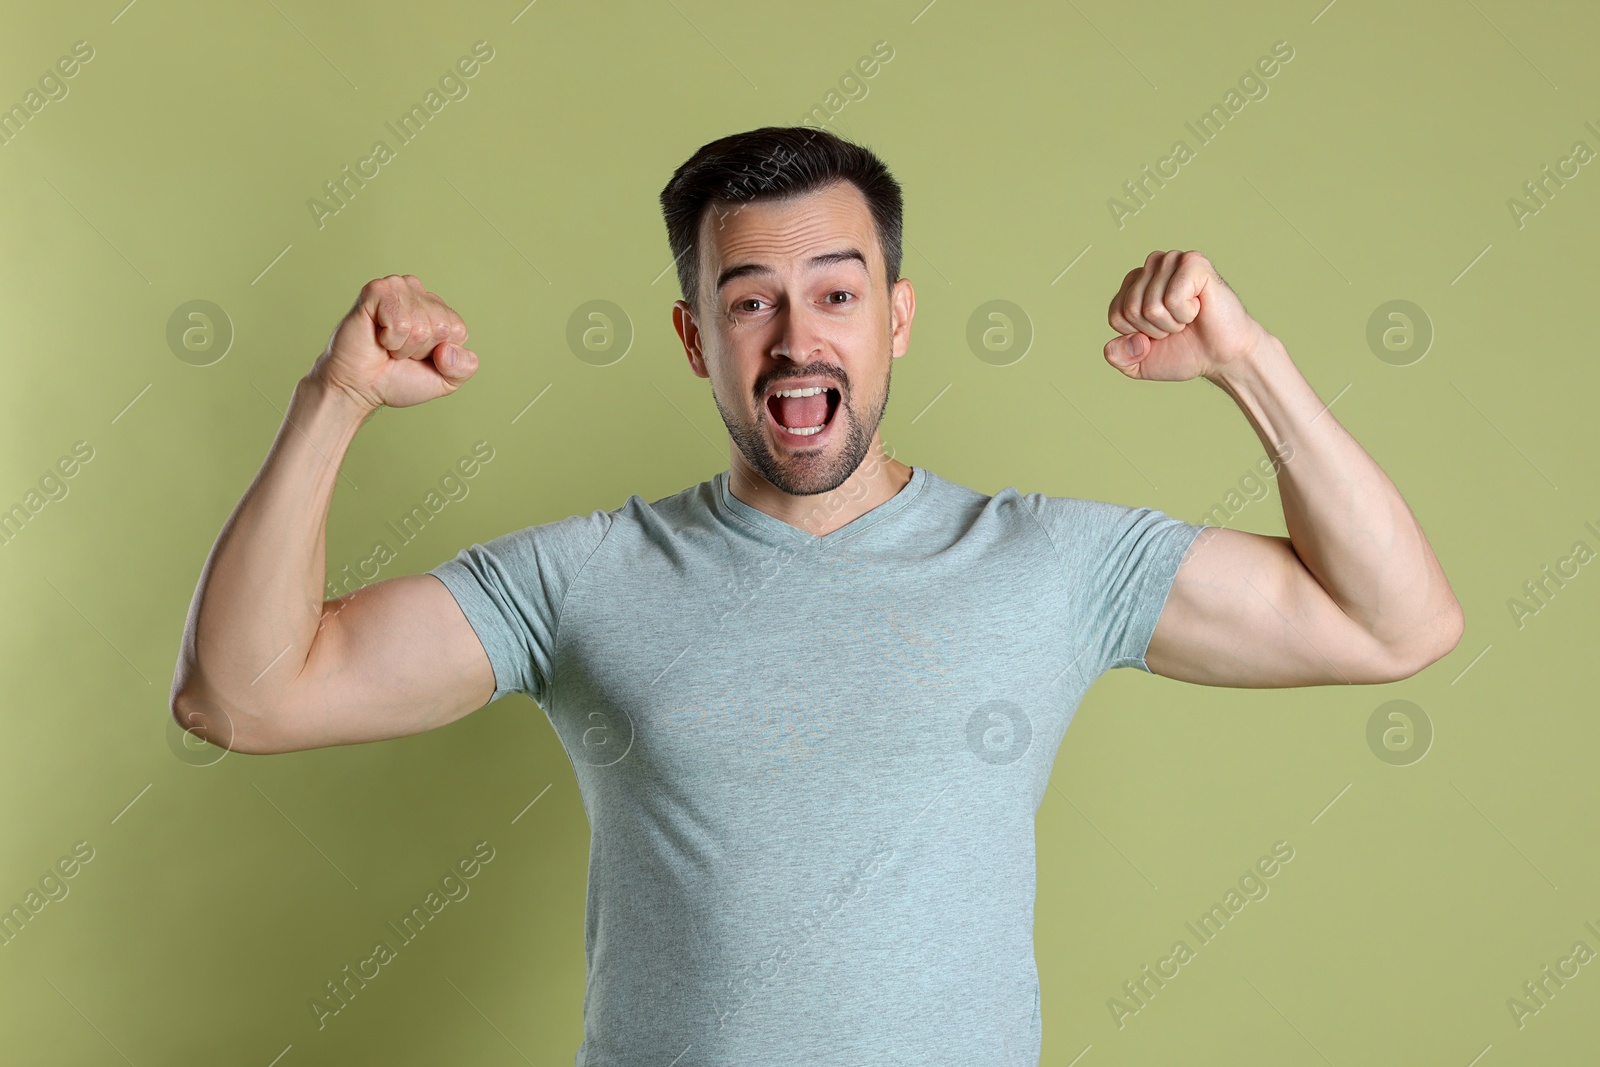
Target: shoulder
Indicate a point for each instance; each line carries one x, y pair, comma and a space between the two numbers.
633, 514
1059, 516
1085, 530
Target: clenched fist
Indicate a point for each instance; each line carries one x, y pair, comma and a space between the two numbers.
398, 346
1178, 320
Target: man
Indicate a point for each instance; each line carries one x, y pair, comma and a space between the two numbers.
812, 703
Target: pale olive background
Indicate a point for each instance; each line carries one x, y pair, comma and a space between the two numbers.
222, 897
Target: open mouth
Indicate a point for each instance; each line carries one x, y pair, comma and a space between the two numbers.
803, 418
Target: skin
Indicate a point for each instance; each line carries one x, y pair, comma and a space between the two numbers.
1355, 593
267, 664
841, 321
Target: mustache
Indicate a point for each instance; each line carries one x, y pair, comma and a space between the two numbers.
836, 382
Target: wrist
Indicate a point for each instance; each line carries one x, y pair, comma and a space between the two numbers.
1251, 367
334, 399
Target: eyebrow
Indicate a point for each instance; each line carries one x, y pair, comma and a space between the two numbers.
826, 259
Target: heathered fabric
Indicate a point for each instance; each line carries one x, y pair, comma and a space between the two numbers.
811, 764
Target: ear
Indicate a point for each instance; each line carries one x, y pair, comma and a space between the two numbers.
689, 333
902, 308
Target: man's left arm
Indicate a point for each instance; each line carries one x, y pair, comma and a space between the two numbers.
1354, 594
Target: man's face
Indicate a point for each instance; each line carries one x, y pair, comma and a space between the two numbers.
793, 295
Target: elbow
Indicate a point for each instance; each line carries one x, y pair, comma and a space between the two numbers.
204, 718
1456, 625
1432, 643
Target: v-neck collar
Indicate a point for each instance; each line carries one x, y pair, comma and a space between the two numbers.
775, 529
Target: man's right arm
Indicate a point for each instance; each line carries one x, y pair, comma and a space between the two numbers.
266, 665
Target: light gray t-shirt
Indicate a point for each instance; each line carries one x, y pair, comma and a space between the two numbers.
811, 764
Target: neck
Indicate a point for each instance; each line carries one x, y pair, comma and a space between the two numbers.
875, 481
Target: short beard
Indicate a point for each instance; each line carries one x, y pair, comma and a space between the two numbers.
808, 476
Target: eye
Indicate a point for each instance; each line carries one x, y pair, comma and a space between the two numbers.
841, 292
740, 305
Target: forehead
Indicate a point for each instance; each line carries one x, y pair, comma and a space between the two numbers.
773, 231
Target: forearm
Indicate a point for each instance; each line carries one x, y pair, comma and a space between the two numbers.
1347, 522
258, 604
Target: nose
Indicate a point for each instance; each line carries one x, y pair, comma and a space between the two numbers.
798, 338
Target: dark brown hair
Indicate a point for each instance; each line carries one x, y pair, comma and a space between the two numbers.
774, 163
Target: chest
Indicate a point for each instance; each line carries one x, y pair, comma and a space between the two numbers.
829, 671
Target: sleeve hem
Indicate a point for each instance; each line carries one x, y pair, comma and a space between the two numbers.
479, 610
1162, 575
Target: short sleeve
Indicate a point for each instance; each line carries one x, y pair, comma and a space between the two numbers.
512, 589
1120, 564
